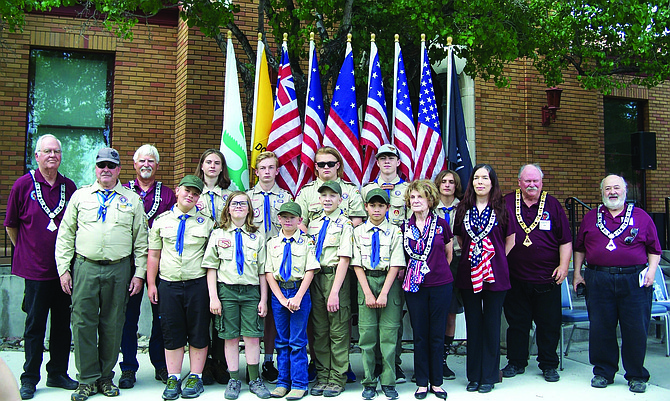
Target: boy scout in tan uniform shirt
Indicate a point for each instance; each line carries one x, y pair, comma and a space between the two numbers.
220, 255
379, 302
217, 195
308, 199
396, 188
330, 321
276, 197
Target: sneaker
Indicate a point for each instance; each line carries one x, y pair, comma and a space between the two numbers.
369, 393
233, 389
279, 392
318, 388
447, 373
512, 370
257, 387
390, 392
172, 388
551, 375
296, 394
332, 390
27, 390
637, 386
351, 376
600, 381
83, 391
399, 375
193, 387
108, 388
269, 373
161, 375
127, 379
311, 372
62, 381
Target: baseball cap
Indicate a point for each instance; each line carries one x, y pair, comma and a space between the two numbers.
378, 193
332, 185
291, 208
192, 181
387, 149
108, 155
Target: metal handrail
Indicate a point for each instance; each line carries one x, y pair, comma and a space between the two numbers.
576, 211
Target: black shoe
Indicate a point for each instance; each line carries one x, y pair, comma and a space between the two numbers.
62, 381
390, 392
270, 373
600, 382
472, 387
369, 393
127, 379
637, 386
551, 375
512, 370
447, 373
27, 390
485, 388
420, 395
220, 371
208, 372
399, 375
161, 375
439, 394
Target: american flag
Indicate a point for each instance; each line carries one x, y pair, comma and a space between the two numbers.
342, 126
312, 132
375, 131
430, 151
404, 131
285, 138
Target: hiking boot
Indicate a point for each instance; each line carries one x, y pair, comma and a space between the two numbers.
233, 389
296, 394
369, 393
332, 390
318, 388
172, 388
600, 381
390, 392
399, 375
512, 370
83, 391
127, 379
269, 373
193, 387
637, 386
108, 388
161, 375
257, 387
551, 375
62, 381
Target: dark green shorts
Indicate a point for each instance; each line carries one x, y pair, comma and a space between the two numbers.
239, 304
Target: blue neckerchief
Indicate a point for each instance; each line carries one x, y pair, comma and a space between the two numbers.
266, 212
105, 198
211, 198
286, 261
239, 251
321, 237
374, 258
179, 244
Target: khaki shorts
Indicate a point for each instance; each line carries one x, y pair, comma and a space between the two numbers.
239, 304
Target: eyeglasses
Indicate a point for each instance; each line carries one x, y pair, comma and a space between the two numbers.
633, 234
324, 164
51, 151
109, 165
242, 204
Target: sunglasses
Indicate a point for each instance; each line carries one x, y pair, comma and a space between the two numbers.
109, 165
239, 204
324, 164
633, 234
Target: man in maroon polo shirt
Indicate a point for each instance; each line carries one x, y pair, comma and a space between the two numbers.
157, 198
34, 211
622, 251
538, 264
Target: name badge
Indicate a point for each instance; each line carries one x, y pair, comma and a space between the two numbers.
545, 225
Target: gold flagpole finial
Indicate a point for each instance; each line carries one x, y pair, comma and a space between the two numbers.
230, 34
449, 40
372, 37
260, 36
349, 37
311, 36
423, 37
285, 37
397, 37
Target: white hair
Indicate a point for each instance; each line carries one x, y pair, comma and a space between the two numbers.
38, 144
146, 149
536, 165
602, 182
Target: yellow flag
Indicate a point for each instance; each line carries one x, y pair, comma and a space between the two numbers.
263, 105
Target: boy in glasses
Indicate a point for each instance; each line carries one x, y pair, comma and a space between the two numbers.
289, 269
331, 309
177, 242
378, 256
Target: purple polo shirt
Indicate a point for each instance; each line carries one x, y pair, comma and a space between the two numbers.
593, 242
35, 245
536, 263
167, 199
498, 263
439, 274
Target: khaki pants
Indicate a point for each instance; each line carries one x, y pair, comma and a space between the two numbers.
99, 297
331, 330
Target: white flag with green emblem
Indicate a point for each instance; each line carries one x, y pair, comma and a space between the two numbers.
233, 142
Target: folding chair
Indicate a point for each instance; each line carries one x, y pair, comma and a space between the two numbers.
660, 307
570, 318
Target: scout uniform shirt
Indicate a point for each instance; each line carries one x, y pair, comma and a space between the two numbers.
216, 195
221, 251
308, 199
339, 239
396, 189
277, 197
122, 233
391, 251
442, 211
303, 257
163, 236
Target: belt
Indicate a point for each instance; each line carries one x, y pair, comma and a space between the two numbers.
617, 269
289, 285
102, 262
375, 273
327, 270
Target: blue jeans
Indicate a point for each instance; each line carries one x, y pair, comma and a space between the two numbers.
614, 299
129, 336
291, 341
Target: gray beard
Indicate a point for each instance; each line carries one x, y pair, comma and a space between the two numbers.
614, 205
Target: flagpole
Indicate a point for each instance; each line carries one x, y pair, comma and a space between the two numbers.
447, 114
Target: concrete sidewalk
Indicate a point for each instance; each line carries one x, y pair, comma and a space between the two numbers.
574, 383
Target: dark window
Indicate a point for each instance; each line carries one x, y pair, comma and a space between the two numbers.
622, 118
70, 97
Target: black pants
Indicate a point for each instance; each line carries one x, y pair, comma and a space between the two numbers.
39, 298
428, 309
525, 303
483, 312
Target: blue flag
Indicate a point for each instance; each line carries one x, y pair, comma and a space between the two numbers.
459, 154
